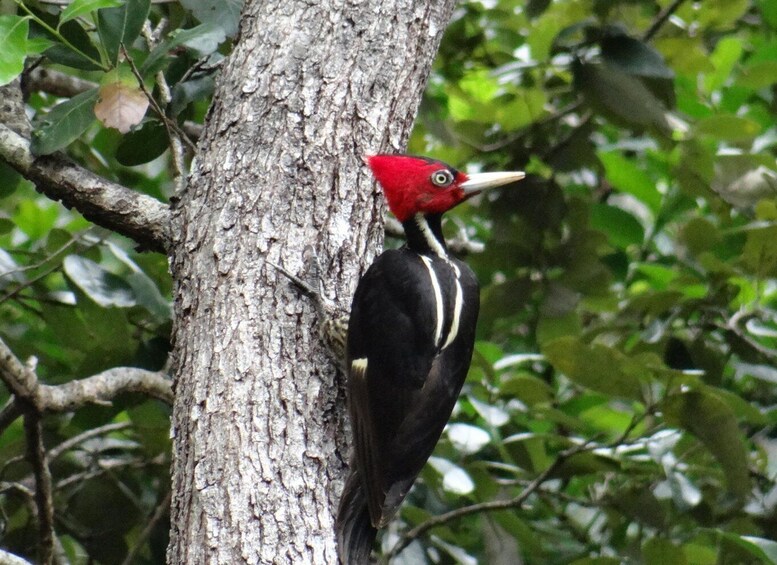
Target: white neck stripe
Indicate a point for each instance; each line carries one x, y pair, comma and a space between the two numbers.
431, 241
458, 303
437, 299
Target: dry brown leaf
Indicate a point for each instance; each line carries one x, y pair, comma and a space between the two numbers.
120, 106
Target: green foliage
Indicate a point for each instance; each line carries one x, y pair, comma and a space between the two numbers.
628, 300
13, 38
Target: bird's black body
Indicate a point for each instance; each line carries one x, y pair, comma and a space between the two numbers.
410, 340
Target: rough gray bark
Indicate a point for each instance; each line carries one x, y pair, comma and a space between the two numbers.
259, 448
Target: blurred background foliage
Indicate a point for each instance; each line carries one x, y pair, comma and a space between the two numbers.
621, 399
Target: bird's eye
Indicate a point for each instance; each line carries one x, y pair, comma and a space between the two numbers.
442, 177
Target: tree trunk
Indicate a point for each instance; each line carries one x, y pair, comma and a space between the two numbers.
259, 417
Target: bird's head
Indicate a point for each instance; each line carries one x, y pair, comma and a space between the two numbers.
418, 185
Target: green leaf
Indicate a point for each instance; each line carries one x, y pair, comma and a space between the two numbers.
761, 74
146, 292
86, 58
35, 219
120, 26
700, 235
203, 40
191, 91
726, 55
768, 12
747, 547
624, 175
143, 145
527, 388
634, 57
13, 38
551, 327
766, 548
642, 506
622, 228
525, 106
596, 366
759, 255
620, 97
80, 7
222, 13
686, 55
727, 128
105, 288
660, 551
711, 420
64, 123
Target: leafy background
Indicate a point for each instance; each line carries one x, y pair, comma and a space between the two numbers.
620, 406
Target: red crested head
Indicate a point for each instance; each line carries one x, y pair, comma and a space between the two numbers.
418, 185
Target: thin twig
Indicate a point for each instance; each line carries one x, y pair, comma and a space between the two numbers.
45, 273
170, 125
662, 17
732, 325
490, 505
8, 415
87, 435
73, 239
36, 455
109, 467
176, 146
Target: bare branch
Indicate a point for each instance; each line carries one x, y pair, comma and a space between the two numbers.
137, 216
36, 455
8, 415
491, 505
732, 325
23, 383
41, 79
165, 94
105, 386
20, 380
661, 19
88, 434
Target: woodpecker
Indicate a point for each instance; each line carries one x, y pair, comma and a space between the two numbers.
410, 337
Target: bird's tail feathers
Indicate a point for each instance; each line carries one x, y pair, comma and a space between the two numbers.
355, 532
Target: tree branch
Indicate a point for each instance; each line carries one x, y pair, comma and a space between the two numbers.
36, 455
23, 383
490, 505
115, 207
88, 434
105, 386
661, 19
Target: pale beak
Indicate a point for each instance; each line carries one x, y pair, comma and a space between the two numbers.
478, 182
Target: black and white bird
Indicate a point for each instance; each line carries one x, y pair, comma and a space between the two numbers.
410, 338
